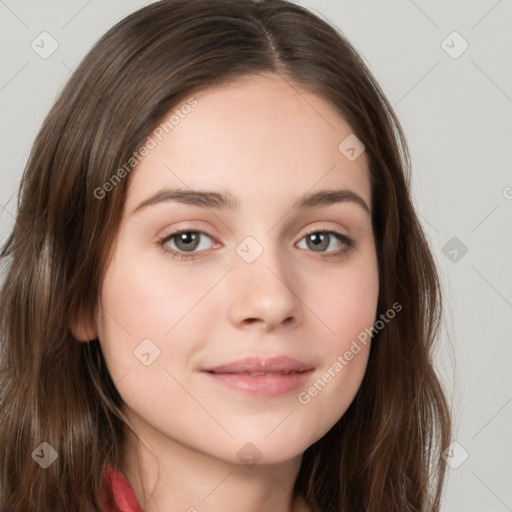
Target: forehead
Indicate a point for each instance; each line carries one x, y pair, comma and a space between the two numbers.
260, 137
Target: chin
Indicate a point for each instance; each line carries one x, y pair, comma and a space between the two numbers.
262, 451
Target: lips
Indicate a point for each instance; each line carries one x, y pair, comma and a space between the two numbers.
255, 366
261, 376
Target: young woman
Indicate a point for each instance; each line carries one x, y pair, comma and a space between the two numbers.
218, 295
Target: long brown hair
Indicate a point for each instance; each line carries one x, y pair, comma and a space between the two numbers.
384, 454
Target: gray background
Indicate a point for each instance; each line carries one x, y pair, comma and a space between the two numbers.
456, 111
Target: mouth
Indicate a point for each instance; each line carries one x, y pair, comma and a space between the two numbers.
262, 377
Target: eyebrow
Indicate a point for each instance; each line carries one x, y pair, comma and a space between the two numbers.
207, 199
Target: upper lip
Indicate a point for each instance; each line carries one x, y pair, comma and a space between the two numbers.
279, 364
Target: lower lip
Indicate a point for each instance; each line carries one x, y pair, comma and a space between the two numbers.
263, 385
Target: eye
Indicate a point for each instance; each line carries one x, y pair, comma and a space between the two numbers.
185, 244
184, 241
318, 241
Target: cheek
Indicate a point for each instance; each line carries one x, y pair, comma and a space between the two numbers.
143, 341
140, 313
344, 301
344, 356
347, 306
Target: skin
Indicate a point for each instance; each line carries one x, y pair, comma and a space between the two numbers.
267, 144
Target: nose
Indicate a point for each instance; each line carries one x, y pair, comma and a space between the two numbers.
265, 293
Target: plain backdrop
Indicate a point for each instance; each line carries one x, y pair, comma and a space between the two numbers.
445, 67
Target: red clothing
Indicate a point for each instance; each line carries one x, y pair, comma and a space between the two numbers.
125, 500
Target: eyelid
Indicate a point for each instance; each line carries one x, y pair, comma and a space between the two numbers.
172, 234
309, 231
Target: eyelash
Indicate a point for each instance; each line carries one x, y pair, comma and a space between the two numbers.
348, 243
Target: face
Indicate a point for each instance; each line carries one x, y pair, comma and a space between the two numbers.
233, 337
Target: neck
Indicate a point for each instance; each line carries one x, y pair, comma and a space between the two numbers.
173, 477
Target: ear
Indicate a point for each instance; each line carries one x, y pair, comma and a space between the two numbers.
82, 327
